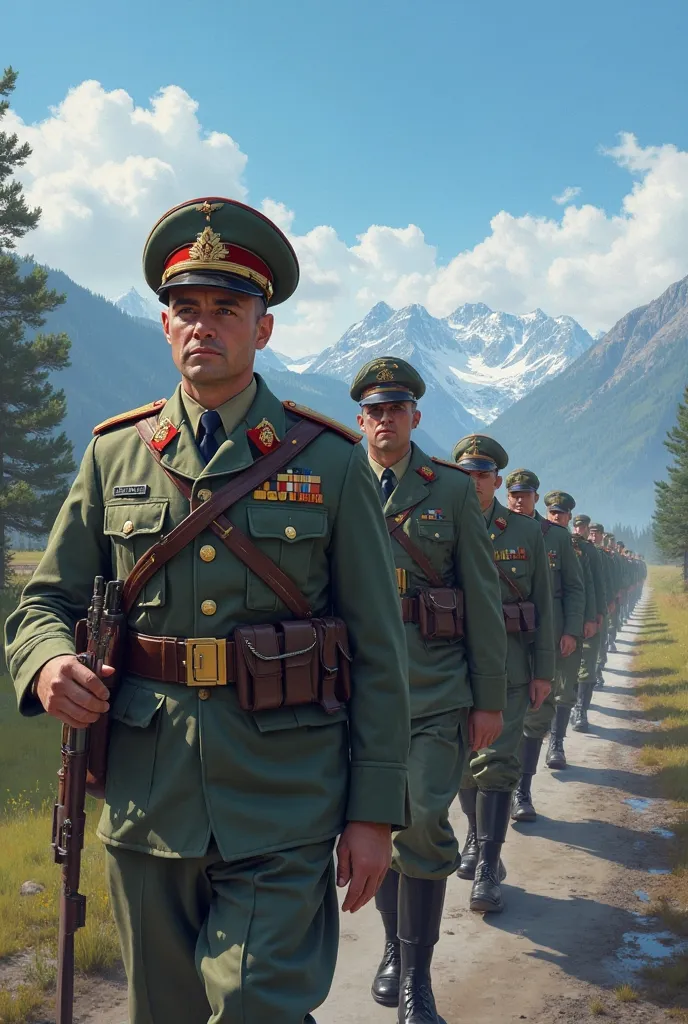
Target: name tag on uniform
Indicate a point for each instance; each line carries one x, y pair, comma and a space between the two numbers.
131, 491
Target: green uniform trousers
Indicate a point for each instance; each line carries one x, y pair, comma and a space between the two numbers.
210, 942
604, 638
564, 691
428, 848
591, 652
499, 766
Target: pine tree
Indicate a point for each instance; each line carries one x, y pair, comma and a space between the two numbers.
34, 461
670, 521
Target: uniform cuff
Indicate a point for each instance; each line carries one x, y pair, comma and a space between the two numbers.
379, 793
573, 627
544, 665
25, 670
489, 692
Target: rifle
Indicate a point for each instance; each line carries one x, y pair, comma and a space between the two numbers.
103, 628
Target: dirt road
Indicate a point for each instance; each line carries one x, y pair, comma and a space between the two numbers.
578, 882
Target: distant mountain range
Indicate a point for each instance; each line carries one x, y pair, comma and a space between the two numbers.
597, 429
589, 417
476, 362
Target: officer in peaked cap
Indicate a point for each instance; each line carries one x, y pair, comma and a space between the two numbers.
493, 772
588, 672
220, 849
555, 712
456, 671
568, 603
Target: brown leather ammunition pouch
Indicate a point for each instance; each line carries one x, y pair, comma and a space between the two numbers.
440, 613
293, 663
520, 617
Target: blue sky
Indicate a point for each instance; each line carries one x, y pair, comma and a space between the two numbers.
436, 114
365, 112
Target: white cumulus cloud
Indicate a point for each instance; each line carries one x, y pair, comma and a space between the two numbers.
567, 195
104, 169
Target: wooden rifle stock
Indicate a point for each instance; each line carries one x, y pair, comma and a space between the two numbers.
69, 815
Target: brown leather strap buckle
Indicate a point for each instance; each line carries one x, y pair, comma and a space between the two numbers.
206, 662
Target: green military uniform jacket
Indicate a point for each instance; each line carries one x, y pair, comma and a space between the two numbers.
598, 577
183, 768
583, 555
519, 551
447, 526
568, 588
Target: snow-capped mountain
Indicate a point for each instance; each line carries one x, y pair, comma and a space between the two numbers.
475, 362
135, 304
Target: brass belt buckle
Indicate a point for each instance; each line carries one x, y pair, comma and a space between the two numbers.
206, 662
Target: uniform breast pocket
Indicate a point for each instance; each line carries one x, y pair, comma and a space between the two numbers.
289, 536
519, 574
133, 528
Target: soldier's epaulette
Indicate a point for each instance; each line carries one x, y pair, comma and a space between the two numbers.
131, 416
450, 465
317, 417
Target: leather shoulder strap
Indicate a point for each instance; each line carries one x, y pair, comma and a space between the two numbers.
209, 515
510, 583
545, 526
395, 525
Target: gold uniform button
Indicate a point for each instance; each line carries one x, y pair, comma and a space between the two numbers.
128, 526
208, 607
204, 494
290, 532
437, 535
207, 552
203, 693
513, 568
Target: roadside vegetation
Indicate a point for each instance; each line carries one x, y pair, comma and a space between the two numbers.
661, 665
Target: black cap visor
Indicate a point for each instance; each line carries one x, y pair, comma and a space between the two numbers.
379, 397
477, 464
210, 279
558, 508
521, 487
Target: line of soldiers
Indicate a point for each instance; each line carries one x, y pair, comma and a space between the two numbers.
559, 598
323, 650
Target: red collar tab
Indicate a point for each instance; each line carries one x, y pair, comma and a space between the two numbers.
165, 433
501, 523
426, 473
264, 436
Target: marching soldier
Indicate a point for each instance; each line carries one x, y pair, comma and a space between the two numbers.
568, 597
587, 675
457, 649
238, 749
596, 537
555, 712
614, 623
524, 577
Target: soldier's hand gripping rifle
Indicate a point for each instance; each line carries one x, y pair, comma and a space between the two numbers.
104, 627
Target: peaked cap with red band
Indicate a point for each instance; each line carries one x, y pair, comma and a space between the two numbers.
220, 243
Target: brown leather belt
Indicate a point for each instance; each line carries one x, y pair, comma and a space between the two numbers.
409, 609
202, 661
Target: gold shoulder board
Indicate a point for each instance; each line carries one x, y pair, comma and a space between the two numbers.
317, 417
131, 416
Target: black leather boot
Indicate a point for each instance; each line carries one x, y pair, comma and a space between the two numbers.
522, 803
599, 680
420, 912
556, 757
579, 715
493, 820
385, 988
469, 854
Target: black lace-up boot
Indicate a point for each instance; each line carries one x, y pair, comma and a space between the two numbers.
493, 820
420, 912
385, 988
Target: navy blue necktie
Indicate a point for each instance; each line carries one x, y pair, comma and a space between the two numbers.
210, 422
388, 482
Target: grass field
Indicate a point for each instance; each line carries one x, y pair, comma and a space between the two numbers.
662, 665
